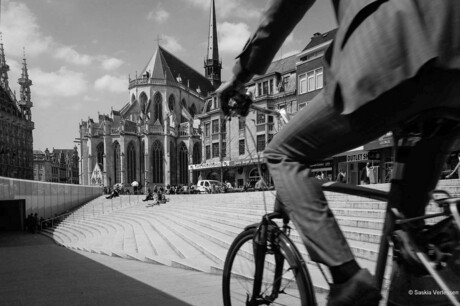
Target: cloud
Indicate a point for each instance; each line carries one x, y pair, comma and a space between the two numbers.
71, 56
158, 14
20, 28
111, 63
90, 99
171, 44
62, 83
111, 83
224, 8
232, 36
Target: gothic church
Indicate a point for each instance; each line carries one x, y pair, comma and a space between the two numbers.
155, 136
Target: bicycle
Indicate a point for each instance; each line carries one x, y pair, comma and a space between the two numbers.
278, 273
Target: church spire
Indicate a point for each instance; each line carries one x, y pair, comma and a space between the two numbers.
4, 68
25, 84
212, 64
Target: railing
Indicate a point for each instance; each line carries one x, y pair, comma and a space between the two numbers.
115, 131
130, 129
151, 81
183, 131
46, 199
94, 208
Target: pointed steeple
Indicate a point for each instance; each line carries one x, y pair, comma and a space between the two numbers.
25, 83
213, 49
4, 68
212, 65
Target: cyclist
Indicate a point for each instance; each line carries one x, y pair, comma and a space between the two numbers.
391, 60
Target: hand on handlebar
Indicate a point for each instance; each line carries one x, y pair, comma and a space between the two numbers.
233, 98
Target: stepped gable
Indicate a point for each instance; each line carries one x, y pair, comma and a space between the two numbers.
164, 65
319, 39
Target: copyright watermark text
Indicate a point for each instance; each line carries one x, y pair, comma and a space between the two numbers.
433, 292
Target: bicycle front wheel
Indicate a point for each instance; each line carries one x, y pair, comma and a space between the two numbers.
285, 278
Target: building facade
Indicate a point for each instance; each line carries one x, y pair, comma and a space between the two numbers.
233, 150
16, 126
58, 166
155, 136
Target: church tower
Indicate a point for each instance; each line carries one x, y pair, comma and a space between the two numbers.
4, 68
25, 84
212, 64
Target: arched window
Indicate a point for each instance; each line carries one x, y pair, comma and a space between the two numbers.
143, 102
131, 162
173, 162
184, 104
116, 162
254, 176
157, 163
157, 109
183, 164
171, 102
192, 110
133, 98
100, 155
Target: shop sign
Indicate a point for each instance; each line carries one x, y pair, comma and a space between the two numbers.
323, 164
357, 157
207, 165
247, 162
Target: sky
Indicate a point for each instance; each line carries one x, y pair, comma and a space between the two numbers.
80, 53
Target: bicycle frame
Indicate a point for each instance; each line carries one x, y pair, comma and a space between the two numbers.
393, 217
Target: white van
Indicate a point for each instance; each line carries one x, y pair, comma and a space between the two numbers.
209, 186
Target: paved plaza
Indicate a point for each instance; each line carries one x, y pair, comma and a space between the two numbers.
36, 271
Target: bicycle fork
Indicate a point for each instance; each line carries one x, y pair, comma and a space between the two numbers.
261, 239
260, 249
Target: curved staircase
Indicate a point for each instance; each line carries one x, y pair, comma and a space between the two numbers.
195, 231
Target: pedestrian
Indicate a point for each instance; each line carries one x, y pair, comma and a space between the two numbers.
365, 174
341, 177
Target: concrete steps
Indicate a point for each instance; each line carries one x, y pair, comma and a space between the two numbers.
195, 231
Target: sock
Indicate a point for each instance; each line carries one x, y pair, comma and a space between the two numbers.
343, 272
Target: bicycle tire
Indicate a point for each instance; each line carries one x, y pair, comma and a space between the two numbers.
237, 282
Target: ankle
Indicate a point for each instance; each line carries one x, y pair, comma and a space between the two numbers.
345, 271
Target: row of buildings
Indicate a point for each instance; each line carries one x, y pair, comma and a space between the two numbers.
172, 131
57, 166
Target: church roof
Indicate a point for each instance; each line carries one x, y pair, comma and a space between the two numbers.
164, 65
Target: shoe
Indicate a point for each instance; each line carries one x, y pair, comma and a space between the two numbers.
358, 290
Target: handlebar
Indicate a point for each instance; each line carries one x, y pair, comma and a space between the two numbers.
240, 105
